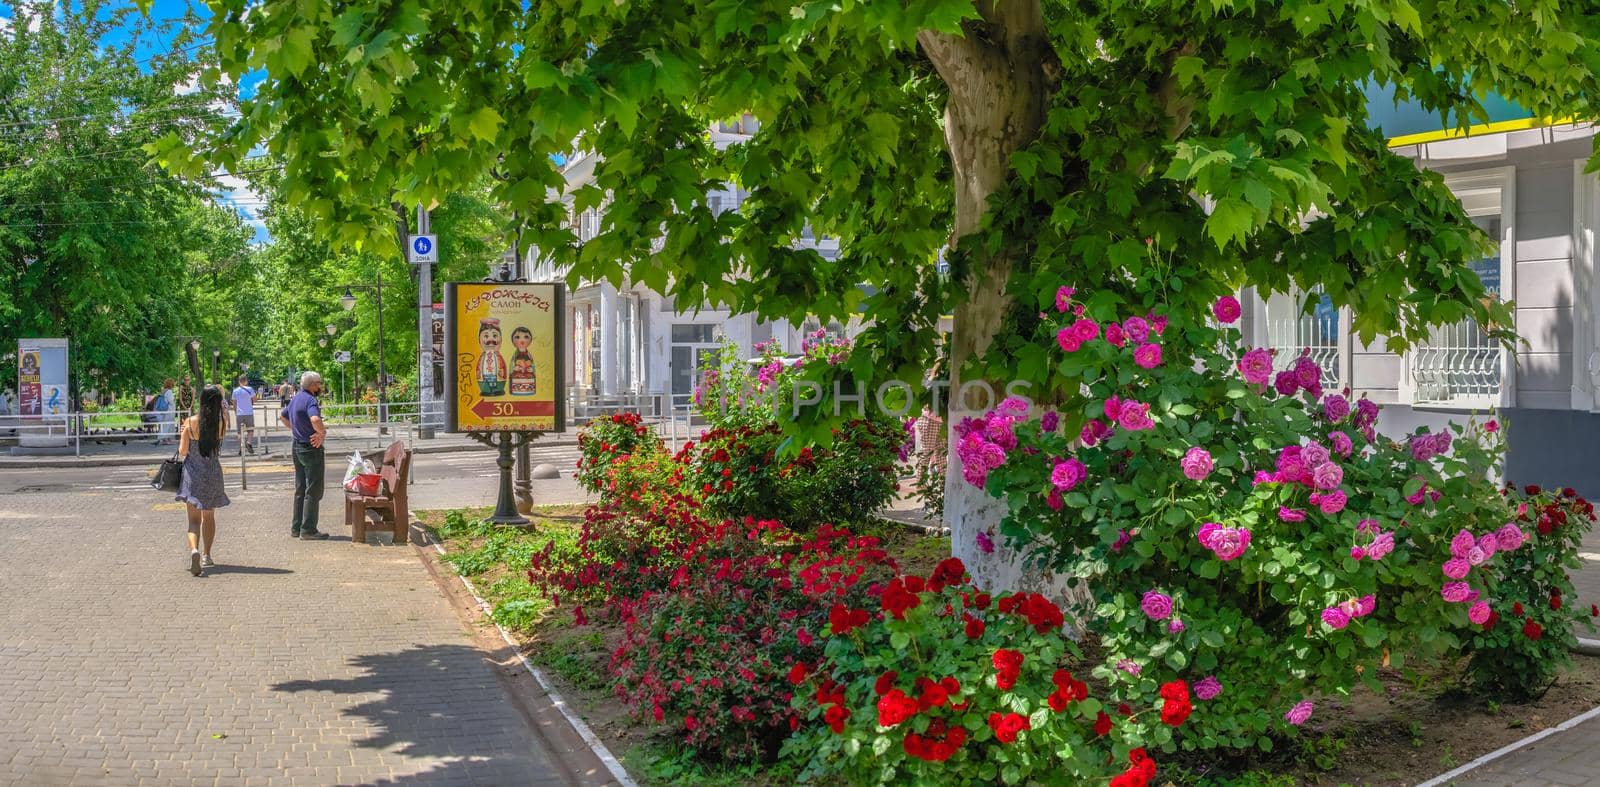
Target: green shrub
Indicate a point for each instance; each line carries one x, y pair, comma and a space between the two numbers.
607, 440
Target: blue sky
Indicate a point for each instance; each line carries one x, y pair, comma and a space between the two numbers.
233, 193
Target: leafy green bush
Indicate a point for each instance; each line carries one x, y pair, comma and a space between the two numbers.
741, 471
1245, 532
1530, 634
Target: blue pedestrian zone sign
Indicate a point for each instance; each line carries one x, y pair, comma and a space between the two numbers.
424, 249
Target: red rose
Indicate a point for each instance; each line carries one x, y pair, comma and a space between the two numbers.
897, 598
895, 707
974, 628
1102, 724
981, 601
1007, 665
1594, 610
1494, 617
1532, 630
1175, 706
1007, 726
1516, 609
950, 571
930, 694
797, 673
1141, 770
1531, 489
835, 716
885, 682
1125, 709
689, 723
1555, 602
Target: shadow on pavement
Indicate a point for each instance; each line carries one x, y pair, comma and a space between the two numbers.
223, 568
441, 703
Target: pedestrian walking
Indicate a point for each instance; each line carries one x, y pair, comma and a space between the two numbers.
201, 486
244, 408
303, 417
166, 407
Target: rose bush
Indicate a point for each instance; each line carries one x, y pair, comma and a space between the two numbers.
1243, 529
936, 682
605, 441
1535, 614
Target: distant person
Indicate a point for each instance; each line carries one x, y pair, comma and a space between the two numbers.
165, 407
244, 406
285, 393
303, 417
201, 488
186, 397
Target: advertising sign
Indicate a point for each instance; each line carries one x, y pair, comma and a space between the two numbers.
503, 358
42, 377
438, 350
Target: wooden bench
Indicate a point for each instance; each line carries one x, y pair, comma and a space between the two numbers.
387, 509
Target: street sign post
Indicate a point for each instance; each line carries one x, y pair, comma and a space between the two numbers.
504, 396
423, 249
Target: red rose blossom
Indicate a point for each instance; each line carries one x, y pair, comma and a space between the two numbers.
895, 707
1175, 706
1007, 726
885, 682
1532, 630
1102, 724
797, 673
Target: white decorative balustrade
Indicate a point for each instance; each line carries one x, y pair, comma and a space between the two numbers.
1315, 334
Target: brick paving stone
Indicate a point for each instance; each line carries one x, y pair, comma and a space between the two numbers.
291, 663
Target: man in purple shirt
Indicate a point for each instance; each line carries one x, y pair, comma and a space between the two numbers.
303, 417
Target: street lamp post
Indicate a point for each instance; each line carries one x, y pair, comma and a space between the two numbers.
349, 303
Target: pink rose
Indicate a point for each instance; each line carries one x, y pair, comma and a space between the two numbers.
1135, 416
1291, 514
1256, 366
1332, 502
1462, 543
1064, 298
1341, 443
1114, 334
1068, 340
1457, 592
1148, 356
1328, 476
1335, 617
1479, 613
1456, 568
1085, 329
1067, 473
1137, 329
1196, 464
1226, 309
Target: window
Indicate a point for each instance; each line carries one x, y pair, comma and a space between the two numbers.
1459, 364
1292, 332
693, 333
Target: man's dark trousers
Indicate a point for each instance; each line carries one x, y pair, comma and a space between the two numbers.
308, 466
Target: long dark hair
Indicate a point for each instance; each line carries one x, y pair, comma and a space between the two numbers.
210, 420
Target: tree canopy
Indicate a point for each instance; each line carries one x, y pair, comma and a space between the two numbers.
1232, 134
96, 243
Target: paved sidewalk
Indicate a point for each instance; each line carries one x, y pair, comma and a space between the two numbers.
292, 663
142, 450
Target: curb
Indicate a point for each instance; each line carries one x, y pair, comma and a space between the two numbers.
47, 461
593, 741
1445, 778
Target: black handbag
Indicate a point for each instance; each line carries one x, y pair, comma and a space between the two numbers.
168, 475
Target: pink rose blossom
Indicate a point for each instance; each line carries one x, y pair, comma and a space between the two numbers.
1328, 476
1229, 542
1085, 329
1175, 627
1207, 688
1067, 473
1477, 556
1093, 432
1509, 537
1308, 374
1112, 408
1256, 366
1135, 416
1049, 421
1203, 535
1341, 443
1123, 539
1054, 500
1300, 712
1492, 426
1064, 298
1137, 329
1285, 383
1456, 568
1332, 502
1479, 613
1148, 356
1156, 605
1226, 309
1115, 335
1314, 455
1357, 553
1068, 340
1380, 546
1196, 463
1367, 526
1462, 543
1129, 666
1335, 407
1335, 617
1158, 323
985, 542
1365, 605
1456, 592
1489, 543
1291, 514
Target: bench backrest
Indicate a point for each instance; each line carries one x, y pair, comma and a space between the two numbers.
396, 466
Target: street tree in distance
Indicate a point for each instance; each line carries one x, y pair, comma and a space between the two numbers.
1161, 152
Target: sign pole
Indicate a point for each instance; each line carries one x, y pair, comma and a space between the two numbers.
424, 329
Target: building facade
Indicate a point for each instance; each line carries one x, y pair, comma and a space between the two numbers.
1526, 188
631, 345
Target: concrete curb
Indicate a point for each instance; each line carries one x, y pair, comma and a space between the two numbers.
1446, 778
36, 462
589, 738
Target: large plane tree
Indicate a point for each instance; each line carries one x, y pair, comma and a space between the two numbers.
1190, 146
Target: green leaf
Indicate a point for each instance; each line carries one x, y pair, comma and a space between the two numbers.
1230, 220
485, 123
900, 640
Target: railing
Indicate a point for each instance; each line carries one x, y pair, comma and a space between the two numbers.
1457, 364
1315, 334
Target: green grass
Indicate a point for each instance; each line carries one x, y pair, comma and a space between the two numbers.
497, 558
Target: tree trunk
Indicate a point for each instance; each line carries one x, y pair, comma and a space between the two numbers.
999, 82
